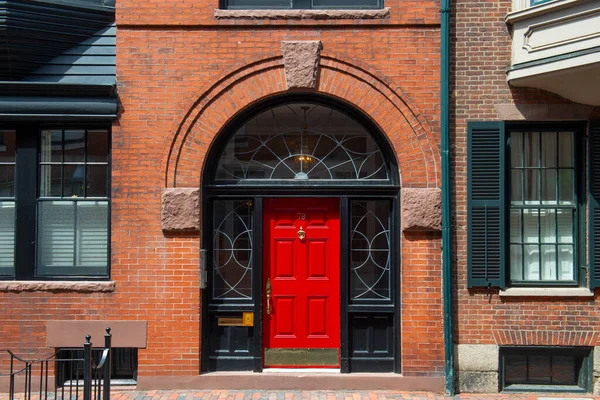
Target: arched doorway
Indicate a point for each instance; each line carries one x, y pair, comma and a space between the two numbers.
301, 227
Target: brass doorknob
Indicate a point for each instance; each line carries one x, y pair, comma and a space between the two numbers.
268, 292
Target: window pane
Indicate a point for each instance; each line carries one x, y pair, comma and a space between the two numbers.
97, 146
564, 371
51, 146
50, 181
548, 149
516, 186
566, 189
515, 226
530, 226
532, 262
7, 237
549, 263
548, 226
56, 235
565, 262
549, 186
531, 186
565, 225
539, 369
7, 180
72, 238
516, 262
7, 146
232, 246
97, 181
515, 369
370, 250
566, 145
73, 183
92, 233
516, 149
74, 146
532, 149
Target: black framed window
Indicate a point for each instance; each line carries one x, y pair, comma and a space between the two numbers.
543, 206
60, 202
7, 201
545, 368
301, 4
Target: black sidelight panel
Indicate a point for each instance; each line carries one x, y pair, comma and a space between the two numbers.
231, 347
371, 343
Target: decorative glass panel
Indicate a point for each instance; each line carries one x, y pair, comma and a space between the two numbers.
72, 238
370, 250
301, 142
232, 244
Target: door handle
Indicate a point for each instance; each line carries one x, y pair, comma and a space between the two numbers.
268, 292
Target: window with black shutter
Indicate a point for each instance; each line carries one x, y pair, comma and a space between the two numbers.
525, 196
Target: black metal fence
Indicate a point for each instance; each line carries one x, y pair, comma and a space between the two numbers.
86, 378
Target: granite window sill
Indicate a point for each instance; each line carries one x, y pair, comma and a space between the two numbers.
547, 292
383, 13
58, 286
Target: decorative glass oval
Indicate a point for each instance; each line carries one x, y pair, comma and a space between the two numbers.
301, 141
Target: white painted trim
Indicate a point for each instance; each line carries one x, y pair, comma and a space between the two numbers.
549, 67
547, 292
525, 12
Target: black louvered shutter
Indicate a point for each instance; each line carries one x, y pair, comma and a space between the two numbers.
485, 203
594, 203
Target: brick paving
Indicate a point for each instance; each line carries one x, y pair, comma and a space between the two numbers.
324, 395
316, 395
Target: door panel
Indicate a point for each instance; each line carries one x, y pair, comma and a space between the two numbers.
305, 279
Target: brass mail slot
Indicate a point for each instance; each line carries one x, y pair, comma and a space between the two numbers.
230, 321
247, 319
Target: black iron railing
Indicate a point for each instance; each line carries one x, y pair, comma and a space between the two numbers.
88, 377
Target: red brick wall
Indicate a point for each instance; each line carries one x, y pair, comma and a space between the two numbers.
181, 76
482, 49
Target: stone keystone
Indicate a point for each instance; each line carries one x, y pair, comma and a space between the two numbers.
421, 209
180, 210
301, 63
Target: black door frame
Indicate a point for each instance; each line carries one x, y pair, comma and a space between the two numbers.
344, 190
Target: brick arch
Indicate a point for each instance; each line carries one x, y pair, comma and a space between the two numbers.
385, 104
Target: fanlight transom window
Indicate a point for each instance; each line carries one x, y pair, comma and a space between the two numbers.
301, 141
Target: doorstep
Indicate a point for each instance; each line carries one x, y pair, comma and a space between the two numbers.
294, 380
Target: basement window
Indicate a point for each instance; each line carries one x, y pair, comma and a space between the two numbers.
546, 369
69, 366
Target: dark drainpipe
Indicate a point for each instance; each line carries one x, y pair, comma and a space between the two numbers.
446, 190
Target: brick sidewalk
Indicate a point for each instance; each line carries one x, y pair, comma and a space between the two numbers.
316, 395
322, 395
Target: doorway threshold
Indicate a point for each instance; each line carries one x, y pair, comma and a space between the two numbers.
301, 370
293, 379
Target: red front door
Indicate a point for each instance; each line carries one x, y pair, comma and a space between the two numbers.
302, 273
